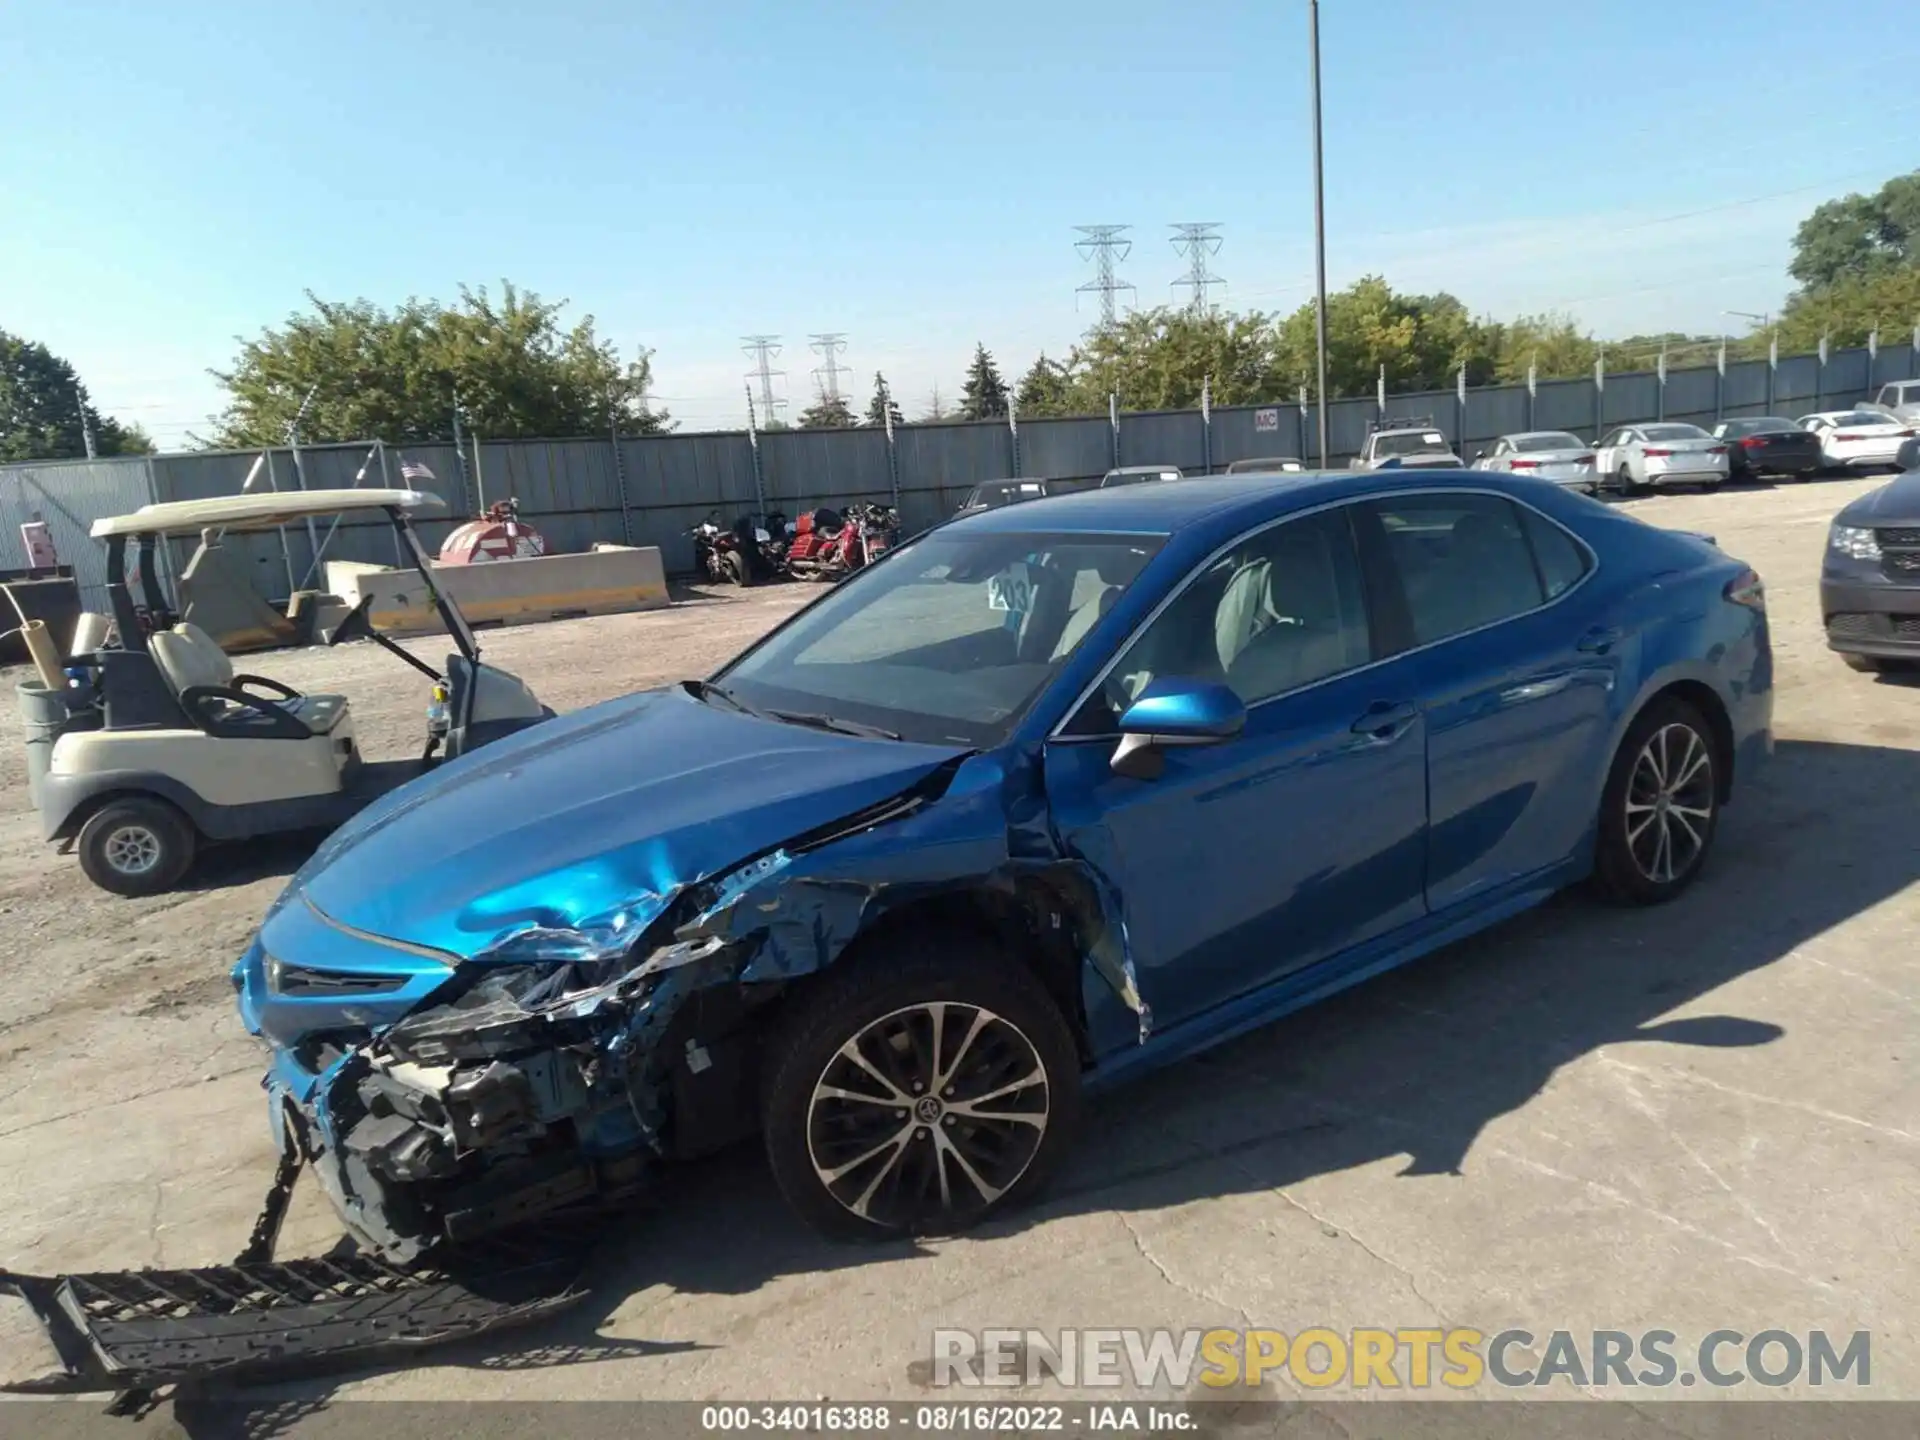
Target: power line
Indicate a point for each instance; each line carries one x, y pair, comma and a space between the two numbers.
1104, 246
1196, 241
763, 348
829, 346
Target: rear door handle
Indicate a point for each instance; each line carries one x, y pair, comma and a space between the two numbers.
1598, 641
1538, 688
1385, 721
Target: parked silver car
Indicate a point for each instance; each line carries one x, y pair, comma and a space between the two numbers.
1556, 455
1636, 458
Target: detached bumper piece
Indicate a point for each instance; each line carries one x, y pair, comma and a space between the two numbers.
136, 1331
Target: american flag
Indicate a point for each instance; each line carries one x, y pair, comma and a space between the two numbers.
414, 470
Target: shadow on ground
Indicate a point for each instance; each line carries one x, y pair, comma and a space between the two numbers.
1410, 1066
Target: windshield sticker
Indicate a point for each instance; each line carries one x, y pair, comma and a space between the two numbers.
1011, 590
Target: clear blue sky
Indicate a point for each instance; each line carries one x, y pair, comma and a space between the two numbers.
175, 174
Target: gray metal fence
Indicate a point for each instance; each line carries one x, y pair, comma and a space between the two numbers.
577, 491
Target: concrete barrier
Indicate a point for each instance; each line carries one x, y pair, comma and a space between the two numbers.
507, 592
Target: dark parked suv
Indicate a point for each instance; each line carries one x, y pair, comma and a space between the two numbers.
1870, 583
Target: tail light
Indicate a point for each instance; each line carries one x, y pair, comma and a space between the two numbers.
1747, 589
1657, 454
1586, 460
1753, 442
1716, 450
1526, 464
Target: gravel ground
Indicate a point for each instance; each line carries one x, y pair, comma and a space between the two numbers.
1691, 1118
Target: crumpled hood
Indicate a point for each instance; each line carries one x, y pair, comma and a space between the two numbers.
605, 812
1895, 503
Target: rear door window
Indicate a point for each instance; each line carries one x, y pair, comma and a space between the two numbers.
1463, 561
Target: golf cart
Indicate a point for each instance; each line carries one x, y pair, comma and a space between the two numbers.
163, 747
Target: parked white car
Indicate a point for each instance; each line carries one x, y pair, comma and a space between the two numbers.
1635, 458
1556, 455
1858, 439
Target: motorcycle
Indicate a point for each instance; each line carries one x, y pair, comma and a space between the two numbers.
746, 553
830, 545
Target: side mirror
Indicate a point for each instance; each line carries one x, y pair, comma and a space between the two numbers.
1174, 711
1478, 456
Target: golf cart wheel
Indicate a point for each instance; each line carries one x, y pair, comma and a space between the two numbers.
918, 1090
735, 565
1661, 806
136, 846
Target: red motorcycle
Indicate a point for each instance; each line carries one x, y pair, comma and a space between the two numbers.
829, 545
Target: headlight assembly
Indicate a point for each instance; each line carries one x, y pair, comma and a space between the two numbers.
1854, 540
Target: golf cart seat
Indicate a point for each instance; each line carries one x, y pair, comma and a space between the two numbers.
201, 677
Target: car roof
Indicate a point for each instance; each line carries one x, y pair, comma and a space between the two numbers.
1532, 434
1165, 509
1140, 469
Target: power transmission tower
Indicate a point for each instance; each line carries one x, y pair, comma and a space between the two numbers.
763, 349
829, 347
1104, 246
1196, 242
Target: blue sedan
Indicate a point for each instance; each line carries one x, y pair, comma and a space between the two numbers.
1055, 794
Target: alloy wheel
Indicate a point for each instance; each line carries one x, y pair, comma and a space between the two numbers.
1670, 798
132, 849
928, 1115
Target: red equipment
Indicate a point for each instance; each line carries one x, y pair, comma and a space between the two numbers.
498, 535
828, 545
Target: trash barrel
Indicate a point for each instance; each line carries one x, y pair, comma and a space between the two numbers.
43, 715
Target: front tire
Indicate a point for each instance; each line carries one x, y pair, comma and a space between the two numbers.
136, 846
920, 1089
1661, 806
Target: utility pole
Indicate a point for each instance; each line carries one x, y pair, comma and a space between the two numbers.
1196, 241
86, 425
829, 347
763, 349
1104, 247
1319, 233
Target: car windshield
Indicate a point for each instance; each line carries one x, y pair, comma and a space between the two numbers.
950, 640
1765, 425
1547, 440
1674, 432
1411, 442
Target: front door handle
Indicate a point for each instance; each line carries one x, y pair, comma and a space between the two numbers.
1599, 640
1385, 721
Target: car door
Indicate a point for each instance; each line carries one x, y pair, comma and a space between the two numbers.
1497, 457
1604, 456
1517, 673
1300, 837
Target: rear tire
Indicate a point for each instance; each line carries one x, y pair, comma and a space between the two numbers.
137, 846
918, 1090
735, 565
1623, 482
1661, 806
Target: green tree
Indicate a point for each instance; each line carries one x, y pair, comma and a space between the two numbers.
1046, 389
45, 412
829, 412
1859, 235
517, 370
983, 396
1158, 359
1422, 340
883, 403
1845, 311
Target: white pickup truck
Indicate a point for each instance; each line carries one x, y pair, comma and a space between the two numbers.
1413, 444
1900, 398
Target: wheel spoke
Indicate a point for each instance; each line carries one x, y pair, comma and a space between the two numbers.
834, 1092
1675, 817
895, 1140
945, 1077
988, 1193
851, 1051
1634, 832
970, 1107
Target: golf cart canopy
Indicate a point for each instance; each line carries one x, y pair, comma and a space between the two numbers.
257, 512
